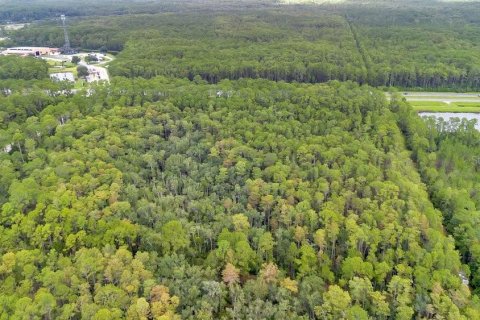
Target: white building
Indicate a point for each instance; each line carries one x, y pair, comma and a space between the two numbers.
63, 76
31, 51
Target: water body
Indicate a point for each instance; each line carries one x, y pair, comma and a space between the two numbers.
449, 115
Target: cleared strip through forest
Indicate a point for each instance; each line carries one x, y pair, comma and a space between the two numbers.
363, 53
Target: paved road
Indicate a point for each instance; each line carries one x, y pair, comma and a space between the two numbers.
96, 73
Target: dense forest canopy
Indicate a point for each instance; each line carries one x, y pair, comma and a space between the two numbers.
12, 67
240, 164
247, 199
448, 157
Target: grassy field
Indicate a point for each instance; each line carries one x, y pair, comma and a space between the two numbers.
56, 66
436, 106
57, 70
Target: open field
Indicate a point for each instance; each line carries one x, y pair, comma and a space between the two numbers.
434, 106
56, 67
443, 101
439, 106
446, 97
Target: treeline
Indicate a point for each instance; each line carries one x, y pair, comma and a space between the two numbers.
448, 157
247, 199
88, 35
32, 10
12, 67
216, 61
28, 11
288, 47
293, 44
422, 56
413, 13
428, 45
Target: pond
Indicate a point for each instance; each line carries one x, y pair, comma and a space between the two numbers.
449, 115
